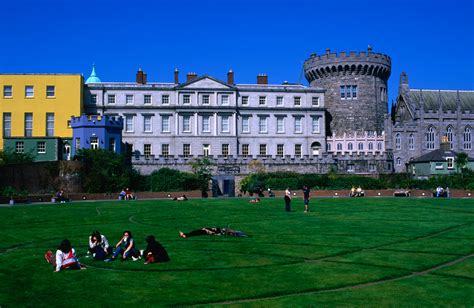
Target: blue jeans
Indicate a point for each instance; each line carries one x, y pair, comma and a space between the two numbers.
131, 253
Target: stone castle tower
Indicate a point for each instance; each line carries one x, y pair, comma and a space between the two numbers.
356, 89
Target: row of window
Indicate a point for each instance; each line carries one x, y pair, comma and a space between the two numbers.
348, 92
40, 147
224, 124
350, 147
430, 139
28, 124
205, 99
29, 91
438, 165
93, 143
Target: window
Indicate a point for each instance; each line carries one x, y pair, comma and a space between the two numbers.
225, 99
449, 135
93, 99
19, 147
360, 146
262, 100
342, 91
298, 152
186, 99
350, 168
165, 99
7, 124
298, 124
430, 138
129, 99
50, 91
147, 123
94, 143
315, 125
279, 101
206, 149
186, 150
328, 147
263, 149
245, 100
205, 99
50, 124
28, 124
165, 150
112, 144
165, 124
348, 92
7, 91
450, 161
350, 147
245, 150
371, 146
129, 124
147, 150
379, 146
467, 144
29, 91
398, 142
411, 142
225, 124
354, 91
280, 125
262, 124
372, 168
78, 144
69, 123
225, 150
297, 101
280, 150
187, 124
399, 161
315, 101
246, 124
439, 166
339, 147
111, 99
147, 99
41, 145
206, 124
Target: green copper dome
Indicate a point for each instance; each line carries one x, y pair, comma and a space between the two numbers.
93, 77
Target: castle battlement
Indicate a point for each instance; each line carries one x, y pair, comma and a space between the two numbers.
97, 121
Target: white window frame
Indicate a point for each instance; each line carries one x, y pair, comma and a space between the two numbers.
50, 91
147, 150
28, 124
262, 100
206, 99
7, 124
111, 99
129, 99
165, 99
7, 91
225, 99
41, 147
165, 124
298, 150
245, 124
225, 124
315, 101
280, 101
165, 150
206, 124
298, 125
186, 123
129, 123
245, 100
147, 123
245, 150
49, 124
29, 91
225, 149
262, 125
147, 99
186, 99
263, 150
280, 152
297, 101
315, 125
280, 125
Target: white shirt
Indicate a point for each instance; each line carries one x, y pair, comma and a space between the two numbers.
65, 258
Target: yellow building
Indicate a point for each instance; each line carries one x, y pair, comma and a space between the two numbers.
39, 105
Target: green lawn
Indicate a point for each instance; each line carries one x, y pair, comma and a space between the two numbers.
346, 252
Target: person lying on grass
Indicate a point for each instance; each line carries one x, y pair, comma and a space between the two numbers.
213, 231
65, 258
99, 246
126, 248
154, 252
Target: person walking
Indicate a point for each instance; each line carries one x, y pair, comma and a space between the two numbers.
306, 198
287, 200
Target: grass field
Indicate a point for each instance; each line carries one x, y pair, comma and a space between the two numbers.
346, 252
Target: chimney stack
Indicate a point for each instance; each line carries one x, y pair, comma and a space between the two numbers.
176, 76
444, 144
230, 77
262, 79
141, 77
191, 76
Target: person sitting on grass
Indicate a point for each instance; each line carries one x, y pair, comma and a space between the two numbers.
154, 252
99, 246
182, 198
213, 231
125, 248
122, 195
65, 258
256, 200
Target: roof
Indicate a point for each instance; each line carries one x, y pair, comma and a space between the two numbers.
93, 77
448, 99
436, 155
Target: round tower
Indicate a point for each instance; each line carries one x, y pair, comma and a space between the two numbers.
356, 89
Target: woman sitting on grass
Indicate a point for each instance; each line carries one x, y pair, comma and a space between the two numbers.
126, 248
154, 251
213, 231
99, 246
65, 258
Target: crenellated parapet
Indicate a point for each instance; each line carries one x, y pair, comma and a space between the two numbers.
97, 121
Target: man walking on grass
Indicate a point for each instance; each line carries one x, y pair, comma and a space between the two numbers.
306, 198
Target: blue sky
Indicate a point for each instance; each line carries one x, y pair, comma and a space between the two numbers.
433, 41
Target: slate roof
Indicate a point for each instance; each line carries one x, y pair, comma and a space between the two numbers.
436, 155
448, 99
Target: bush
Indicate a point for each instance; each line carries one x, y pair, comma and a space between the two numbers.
167, 179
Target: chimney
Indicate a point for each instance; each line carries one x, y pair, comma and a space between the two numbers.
369, 49
328, 51
230, 77
262, 79
176, 76
444, 145
141, 77
191, 76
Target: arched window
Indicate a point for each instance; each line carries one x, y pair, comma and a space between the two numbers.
398, 142
449, 135
430, 138
339, 146
467, 137
379, 146
360, 146
411, 142
349, 146
371, 146
399, 161
328, 147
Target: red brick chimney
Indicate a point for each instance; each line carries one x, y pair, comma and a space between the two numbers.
230, 77
191, 76
176, 76
262, 79
141, 77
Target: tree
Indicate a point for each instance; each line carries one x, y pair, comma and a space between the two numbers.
12, 157
202, 169
461, 161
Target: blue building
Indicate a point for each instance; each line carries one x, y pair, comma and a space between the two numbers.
97, 132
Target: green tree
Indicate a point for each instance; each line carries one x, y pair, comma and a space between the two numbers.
10, 156
202, 169
461, 161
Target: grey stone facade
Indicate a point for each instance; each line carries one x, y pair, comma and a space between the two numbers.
422, 118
